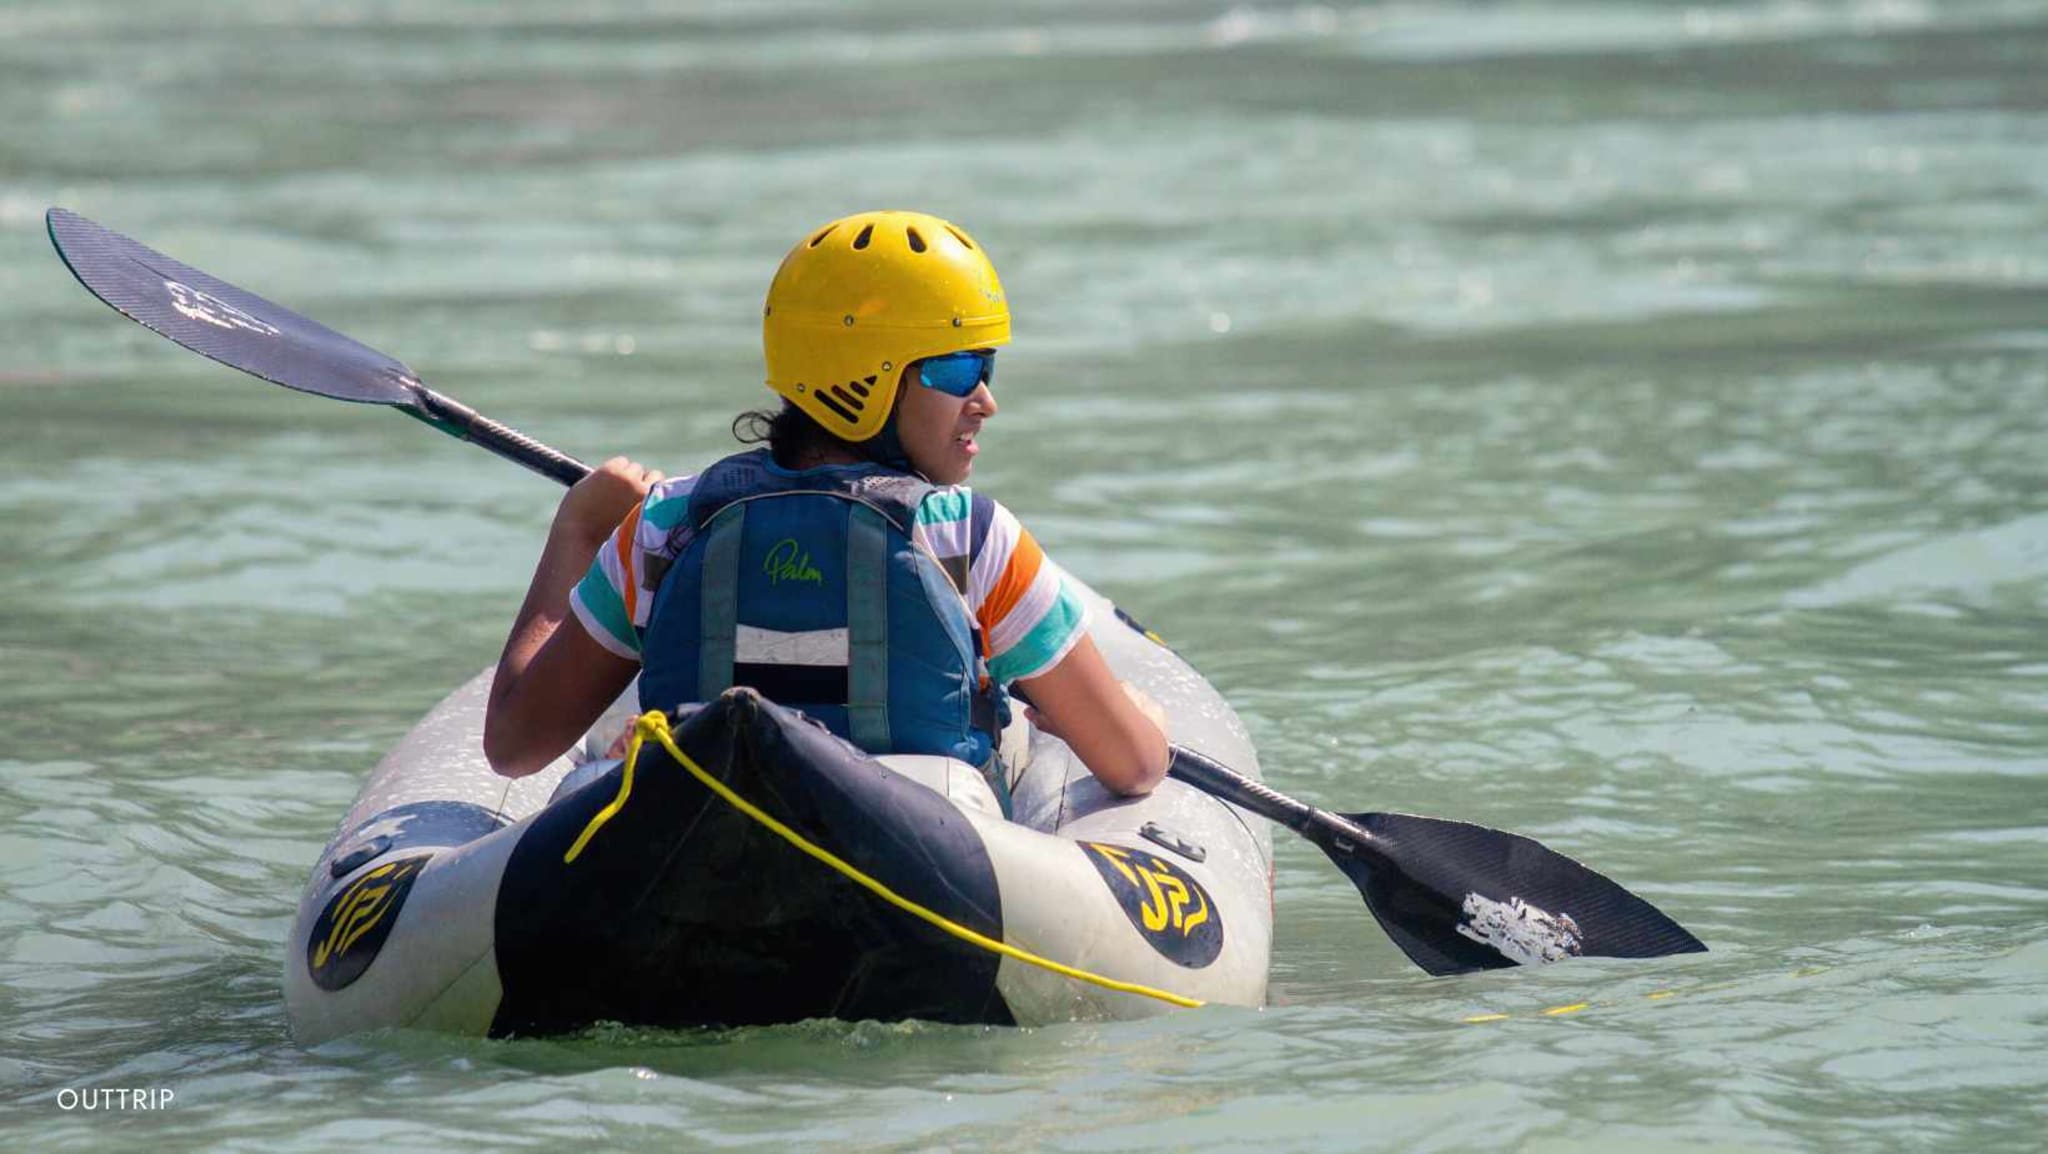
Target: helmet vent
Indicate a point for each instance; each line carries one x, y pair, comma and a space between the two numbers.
820, 238
824, 397
916, 241
961, 237
842, 402
861, 390
861, 241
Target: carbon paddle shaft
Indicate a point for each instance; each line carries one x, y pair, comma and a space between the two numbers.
459, 420
1221, 781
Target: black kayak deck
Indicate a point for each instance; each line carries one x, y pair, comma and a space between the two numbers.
683, 911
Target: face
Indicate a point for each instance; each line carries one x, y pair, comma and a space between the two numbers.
939, 430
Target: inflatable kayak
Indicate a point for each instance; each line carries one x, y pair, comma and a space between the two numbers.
751, 868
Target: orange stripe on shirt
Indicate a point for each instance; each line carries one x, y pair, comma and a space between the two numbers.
1025, 561
622, 540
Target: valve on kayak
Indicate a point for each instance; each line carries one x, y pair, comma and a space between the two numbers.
360, 856
1159, 835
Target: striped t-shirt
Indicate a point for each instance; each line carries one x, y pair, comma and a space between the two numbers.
1029, 614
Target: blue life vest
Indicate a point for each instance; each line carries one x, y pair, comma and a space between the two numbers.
808, 586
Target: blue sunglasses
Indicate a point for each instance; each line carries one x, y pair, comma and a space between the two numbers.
958, 374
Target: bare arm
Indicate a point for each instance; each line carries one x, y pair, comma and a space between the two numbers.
552, 683
1081, 702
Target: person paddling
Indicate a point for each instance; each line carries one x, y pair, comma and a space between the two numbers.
1455, 897
844, 569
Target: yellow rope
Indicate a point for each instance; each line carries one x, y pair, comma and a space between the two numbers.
612, 809
654, 724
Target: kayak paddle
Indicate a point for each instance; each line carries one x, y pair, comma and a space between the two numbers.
242, 330
1458, 897
1455, 897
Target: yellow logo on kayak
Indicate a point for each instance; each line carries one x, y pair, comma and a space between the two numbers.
1170, 909
355, 923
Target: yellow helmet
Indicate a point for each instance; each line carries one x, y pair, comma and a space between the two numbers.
865, 295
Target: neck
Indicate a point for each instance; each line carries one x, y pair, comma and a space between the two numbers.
813, 456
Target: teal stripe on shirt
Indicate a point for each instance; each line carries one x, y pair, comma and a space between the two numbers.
1054, 632
606, 607
665, 513
943, 508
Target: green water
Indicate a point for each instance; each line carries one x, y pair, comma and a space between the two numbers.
1622, 423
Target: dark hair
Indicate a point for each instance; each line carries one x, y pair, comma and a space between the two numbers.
790, 434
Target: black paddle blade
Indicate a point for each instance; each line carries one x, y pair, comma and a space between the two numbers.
221, 322
1458, 897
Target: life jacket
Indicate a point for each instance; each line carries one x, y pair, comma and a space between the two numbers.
809, 587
